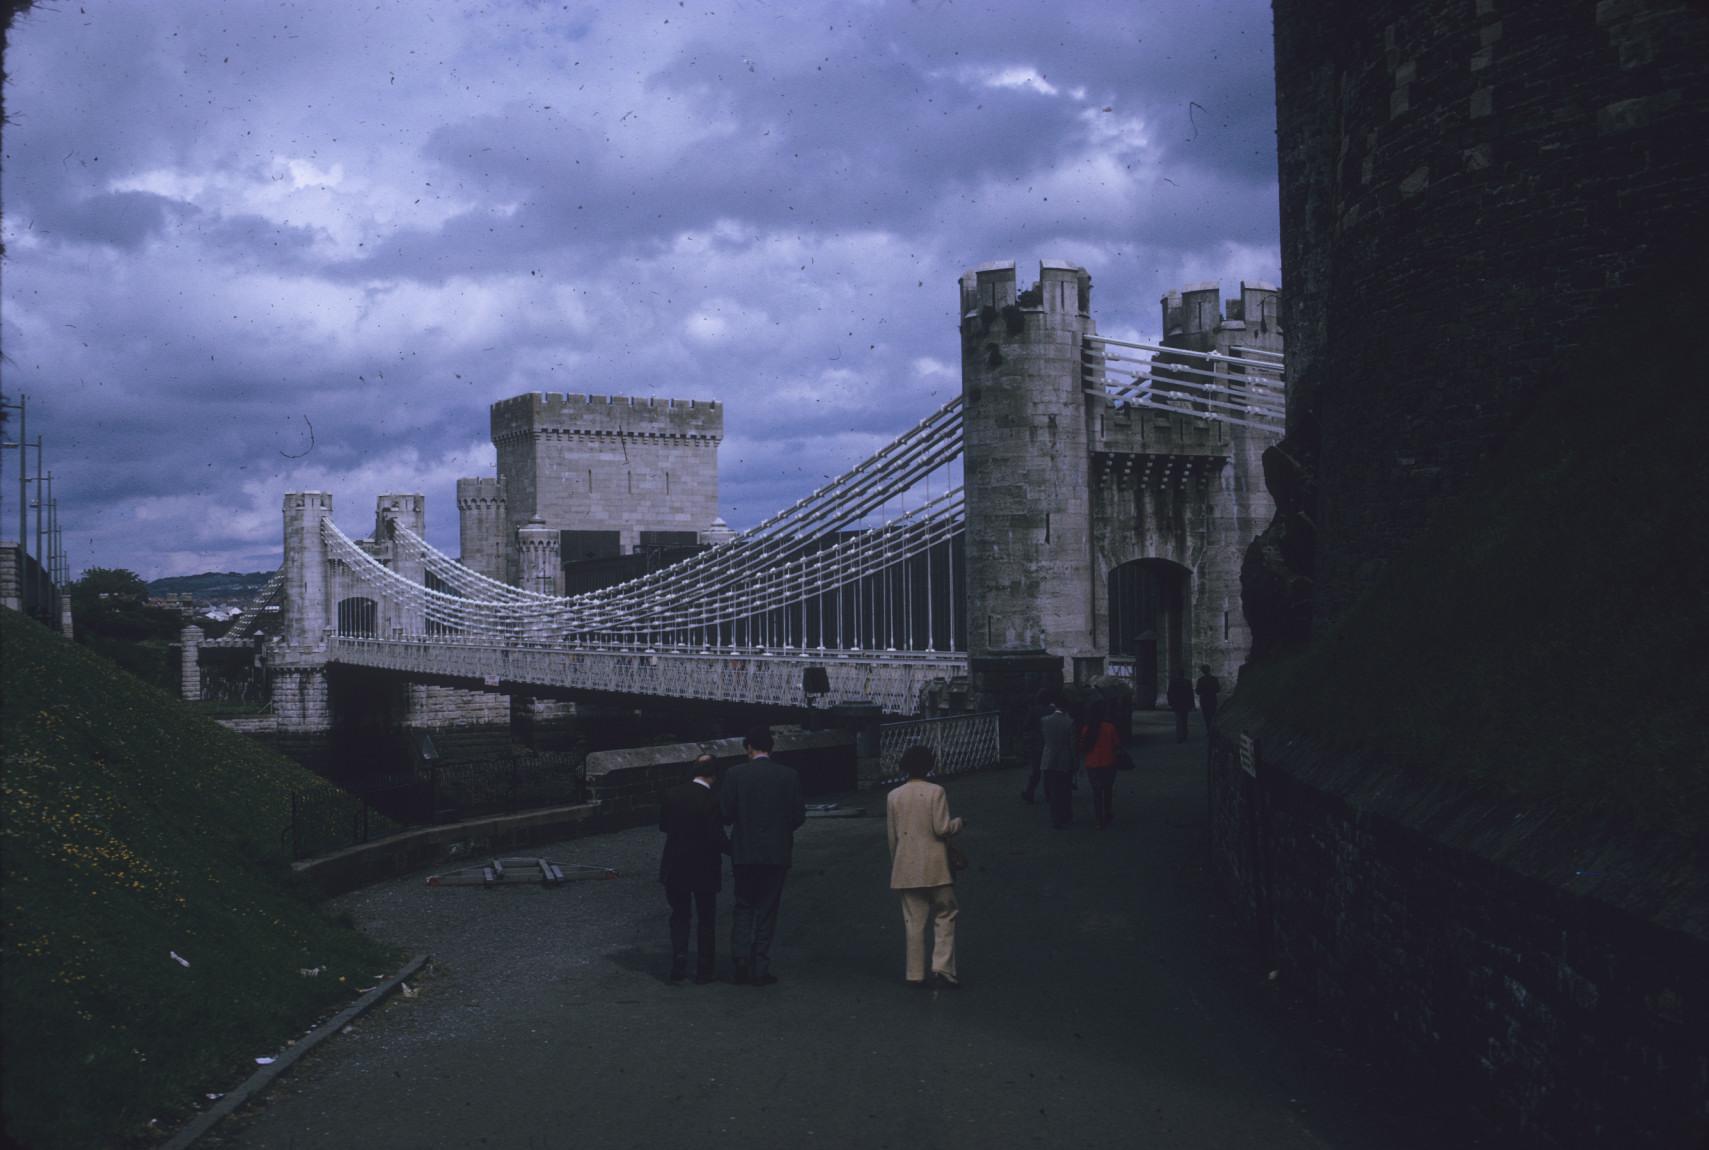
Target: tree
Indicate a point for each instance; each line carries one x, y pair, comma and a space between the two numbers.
107, 583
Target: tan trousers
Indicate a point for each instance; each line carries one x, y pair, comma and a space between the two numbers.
937, 903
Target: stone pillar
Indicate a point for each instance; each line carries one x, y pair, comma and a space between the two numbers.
190, 663
308, 610
299, 695
66, 626
1029, 570
481, 520
538, 548
397, 620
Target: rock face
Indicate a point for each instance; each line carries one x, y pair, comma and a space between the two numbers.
1468, 190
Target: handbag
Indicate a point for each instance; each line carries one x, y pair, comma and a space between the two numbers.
957, 857
1125, 760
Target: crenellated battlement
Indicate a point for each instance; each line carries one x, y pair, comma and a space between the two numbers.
1060, 287
480, 491
560, 414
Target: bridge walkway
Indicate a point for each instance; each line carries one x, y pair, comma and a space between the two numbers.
1108, 1001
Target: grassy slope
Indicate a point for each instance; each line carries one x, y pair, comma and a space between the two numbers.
1549, 637
134, 828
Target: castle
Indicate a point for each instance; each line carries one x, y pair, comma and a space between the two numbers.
583, 477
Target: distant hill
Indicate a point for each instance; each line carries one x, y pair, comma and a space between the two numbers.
221, 585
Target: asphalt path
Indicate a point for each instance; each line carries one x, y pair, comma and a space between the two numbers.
1108, 1000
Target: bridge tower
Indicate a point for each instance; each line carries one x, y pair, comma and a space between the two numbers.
410, 512
1029, 579
308, 614
1024, 435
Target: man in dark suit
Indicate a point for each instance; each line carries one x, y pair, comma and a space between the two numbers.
692, 868
761, 800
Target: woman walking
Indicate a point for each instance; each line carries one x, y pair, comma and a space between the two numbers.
917, 813
1098, 744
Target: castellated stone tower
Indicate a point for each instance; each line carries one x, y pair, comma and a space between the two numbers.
613, 472
410, 511
482, 525
1024, 429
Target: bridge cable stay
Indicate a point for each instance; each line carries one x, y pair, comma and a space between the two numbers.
657, 590
1165, 378
744, 591
931, 444
779, 566
238, 634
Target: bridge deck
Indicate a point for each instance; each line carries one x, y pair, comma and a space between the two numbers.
894, 680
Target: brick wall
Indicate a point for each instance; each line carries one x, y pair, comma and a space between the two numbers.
1468, 188
1552, 974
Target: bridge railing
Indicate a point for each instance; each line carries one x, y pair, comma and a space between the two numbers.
960, 743
896, 680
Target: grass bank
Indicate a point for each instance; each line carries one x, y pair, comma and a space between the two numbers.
136, 830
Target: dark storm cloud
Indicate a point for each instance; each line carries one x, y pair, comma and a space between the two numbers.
252, 249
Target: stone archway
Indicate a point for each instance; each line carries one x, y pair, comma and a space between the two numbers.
1148, 603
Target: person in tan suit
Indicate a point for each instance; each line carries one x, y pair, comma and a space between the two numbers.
917, 813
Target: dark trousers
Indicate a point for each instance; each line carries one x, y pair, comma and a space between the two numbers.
1181, 726
1210, 717
704, 906
1103, 784
759, 891
1058, 790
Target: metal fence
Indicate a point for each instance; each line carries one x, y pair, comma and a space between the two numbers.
329, 820
960, 742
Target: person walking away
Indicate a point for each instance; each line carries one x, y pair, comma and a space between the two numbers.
1207, 688
761, 801
918, 819
1098, 743
1032, 744
1181, 702
1057, 760
692, 869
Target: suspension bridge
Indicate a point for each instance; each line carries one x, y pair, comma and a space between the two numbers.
989, 527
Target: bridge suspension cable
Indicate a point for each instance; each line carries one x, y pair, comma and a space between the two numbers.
1244, 388
754, 591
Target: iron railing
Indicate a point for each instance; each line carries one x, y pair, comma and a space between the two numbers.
960, 743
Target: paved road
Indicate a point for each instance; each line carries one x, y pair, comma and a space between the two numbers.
1108, 1001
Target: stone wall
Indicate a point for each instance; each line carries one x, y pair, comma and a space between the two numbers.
1549, 973
1028, 542
1199, 504
607, 463
1468, 189
627, 783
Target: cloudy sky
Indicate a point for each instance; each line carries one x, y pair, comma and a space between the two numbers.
302, 244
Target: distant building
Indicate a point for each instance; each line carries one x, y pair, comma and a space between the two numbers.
611, 481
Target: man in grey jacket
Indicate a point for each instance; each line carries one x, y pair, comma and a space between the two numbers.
1057, 761
761, 800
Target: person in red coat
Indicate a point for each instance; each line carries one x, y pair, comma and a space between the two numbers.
1099, 742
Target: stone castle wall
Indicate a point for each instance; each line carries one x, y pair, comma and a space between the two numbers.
607, 463
1467, 189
